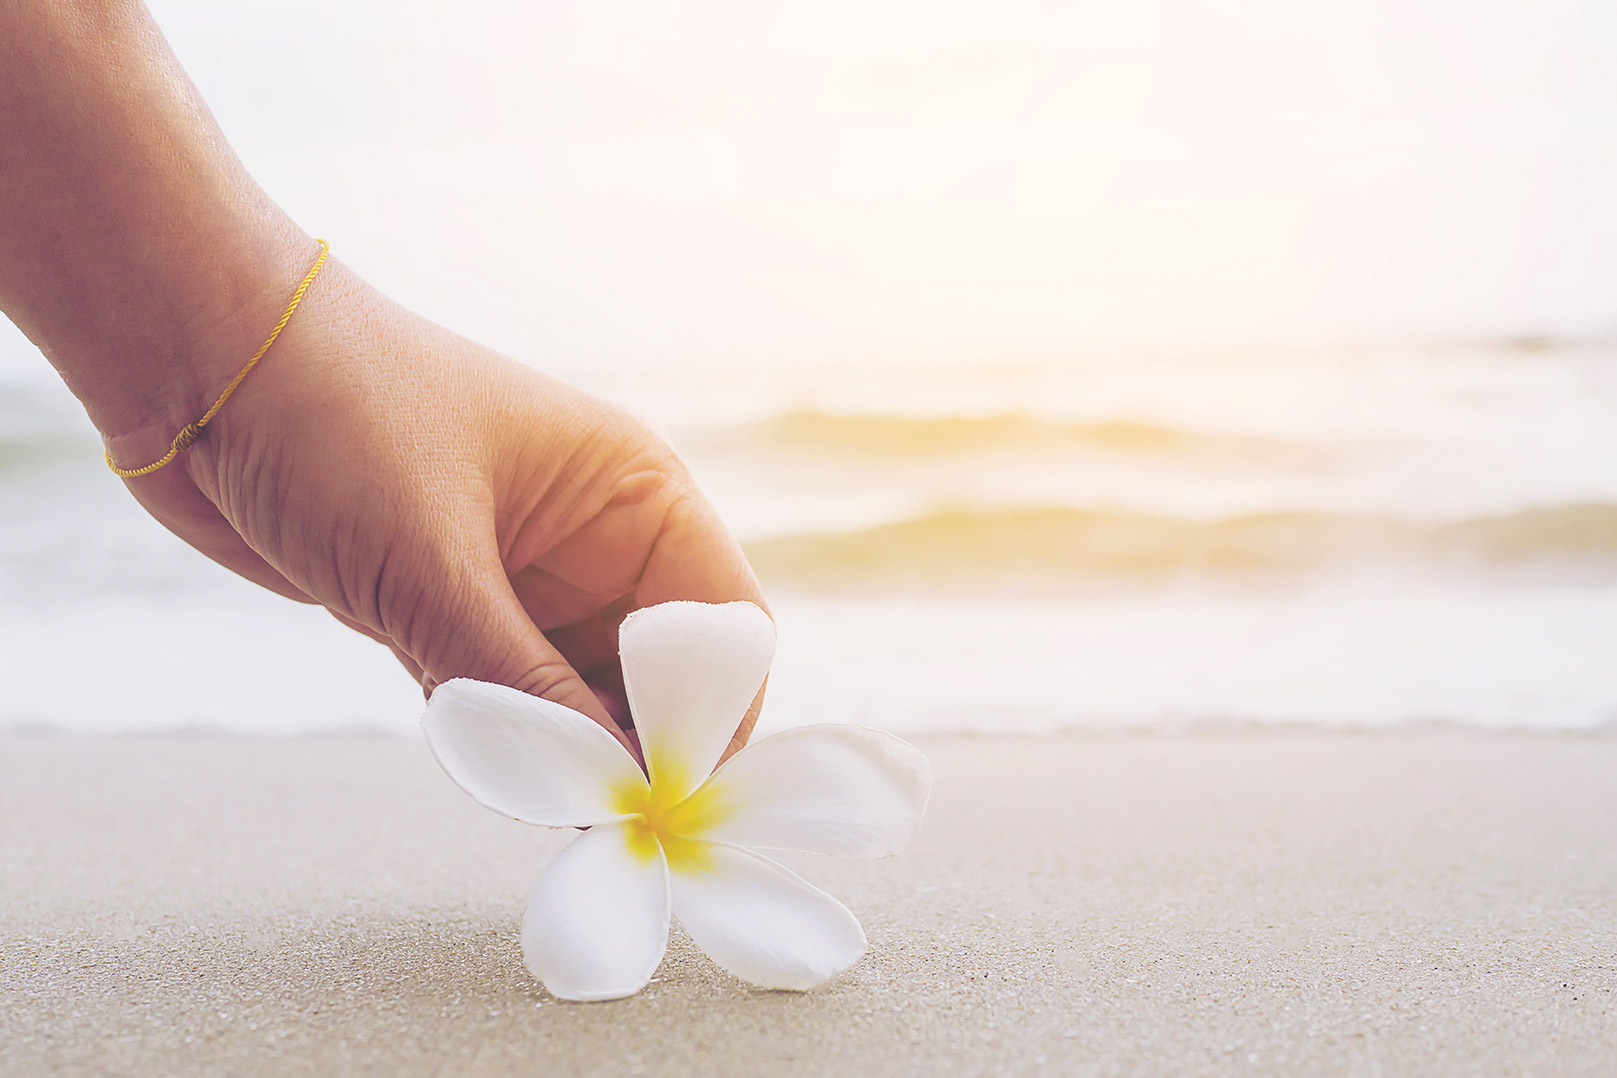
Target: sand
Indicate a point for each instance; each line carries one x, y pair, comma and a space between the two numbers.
1284, 904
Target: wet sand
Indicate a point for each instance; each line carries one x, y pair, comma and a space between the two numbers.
1268, 903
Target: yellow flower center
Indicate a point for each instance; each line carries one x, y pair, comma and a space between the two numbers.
673, 825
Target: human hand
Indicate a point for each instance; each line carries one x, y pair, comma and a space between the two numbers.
480, 519
477, 517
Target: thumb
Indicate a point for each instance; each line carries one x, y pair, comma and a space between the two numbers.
491, 638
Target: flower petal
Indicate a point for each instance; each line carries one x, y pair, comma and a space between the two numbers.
691, 671
840, 789
762, 923
597, 924
528, 758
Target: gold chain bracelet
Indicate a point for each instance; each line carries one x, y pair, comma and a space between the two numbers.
189, 435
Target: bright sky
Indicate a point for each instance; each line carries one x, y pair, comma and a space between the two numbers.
623, 180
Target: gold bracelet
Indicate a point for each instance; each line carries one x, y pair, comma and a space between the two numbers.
189, 435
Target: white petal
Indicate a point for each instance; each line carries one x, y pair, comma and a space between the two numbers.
839, 789
528, 758
762, 923
691, 671
597, 924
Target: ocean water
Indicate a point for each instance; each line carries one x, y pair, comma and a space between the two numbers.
1364, 536
931, 297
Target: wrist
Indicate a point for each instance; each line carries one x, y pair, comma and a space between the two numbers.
142, 384
135, 250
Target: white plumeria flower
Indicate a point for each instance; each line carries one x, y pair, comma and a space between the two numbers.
676, 845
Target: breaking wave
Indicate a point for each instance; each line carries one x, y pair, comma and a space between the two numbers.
1050, 545
867, 435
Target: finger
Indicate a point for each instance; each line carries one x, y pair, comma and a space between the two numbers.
488, 636
551, 601
607, 685
696, 557
583, 626
591, 646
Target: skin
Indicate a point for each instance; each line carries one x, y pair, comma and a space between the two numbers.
476, 516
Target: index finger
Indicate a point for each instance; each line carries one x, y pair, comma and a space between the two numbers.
695, 557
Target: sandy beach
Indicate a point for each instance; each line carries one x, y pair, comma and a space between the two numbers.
1257, 904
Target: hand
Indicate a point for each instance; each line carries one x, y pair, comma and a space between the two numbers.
477, 517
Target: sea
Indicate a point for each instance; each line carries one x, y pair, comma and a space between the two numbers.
1363, 536
1105, 366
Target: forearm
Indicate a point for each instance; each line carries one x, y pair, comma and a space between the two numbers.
135, 250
